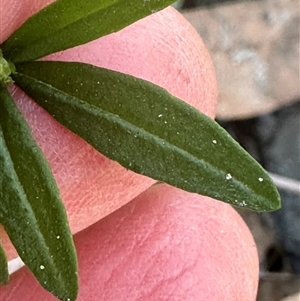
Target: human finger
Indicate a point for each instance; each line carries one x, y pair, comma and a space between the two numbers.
166, 244
162, 48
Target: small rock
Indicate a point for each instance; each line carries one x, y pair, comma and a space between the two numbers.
295, 297
255, 49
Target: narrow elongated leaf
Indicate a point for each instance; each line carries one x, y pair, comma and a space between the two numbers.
30, 208
149, 131
3, 267
68, 23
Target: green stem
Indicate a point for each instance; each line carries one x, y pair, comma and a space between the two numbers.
6, 68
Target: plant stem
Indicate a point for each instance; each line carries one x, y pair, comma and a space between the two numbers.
6, 68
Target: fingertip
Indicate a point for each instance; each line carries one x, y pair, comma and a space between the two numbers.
91, 185
14, 13
166, 244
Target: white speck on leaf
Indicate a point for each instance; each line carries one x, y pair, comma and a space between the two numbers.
58, 237
260, 179
243, 204
160, 115
214, 141
228, 176
42, 267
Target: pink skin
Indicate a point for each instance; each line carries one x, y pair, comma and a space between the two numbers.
183, 246
166, 244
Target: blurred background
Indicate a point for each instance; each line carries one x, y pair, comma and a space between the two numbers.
254, 45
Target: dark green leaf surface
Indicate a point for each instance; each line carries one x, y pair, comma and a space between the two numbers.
68, 23
3, 267
30, 209
149, 131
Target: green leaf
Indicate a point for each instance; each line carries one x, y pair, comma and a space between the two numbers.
3, 267
30, 210
68, 23
149, 131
